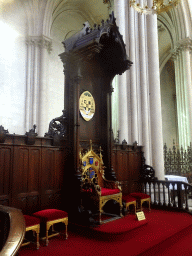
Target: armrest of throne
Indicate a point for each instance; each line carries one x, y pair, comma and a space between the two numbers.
110, 184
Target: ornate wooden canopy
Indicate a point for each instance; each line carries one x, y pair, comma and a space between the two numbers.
91, 60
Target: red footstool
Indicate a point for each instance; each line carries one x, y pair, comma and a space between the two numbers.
51, 217
33, 224
141, 197
128, 200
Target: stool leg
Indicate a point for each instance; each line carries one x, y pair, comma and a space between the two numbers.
66, 231
47, 230
38, 240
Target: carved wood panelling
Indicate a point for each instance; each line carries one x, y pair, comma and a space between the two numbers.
5, 174
127, 166
26, 178
32, 177
52, 177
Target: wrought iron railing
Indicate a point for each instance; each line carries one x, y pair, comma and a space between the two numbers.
172, 194
178, 161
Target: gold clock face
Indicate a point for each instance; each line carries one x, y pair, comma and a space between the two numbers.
87, 105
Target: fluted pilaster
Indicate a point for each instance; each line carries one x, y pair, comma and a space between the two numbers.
38, 48
183, 77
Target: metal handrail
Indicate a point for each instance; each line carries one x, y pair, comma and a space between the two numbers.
16, 231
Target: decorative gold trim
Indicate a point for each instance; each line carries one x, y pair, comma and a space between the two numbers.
158, 6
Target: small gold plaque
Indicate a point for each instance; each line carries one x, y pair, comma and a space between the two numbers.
87, 105
140, 215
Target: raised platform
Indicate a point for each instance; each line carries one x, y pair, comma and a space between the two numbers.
120, 225
161, 230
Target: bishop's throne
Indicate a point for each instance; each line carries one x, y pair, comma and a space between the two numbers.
96, 189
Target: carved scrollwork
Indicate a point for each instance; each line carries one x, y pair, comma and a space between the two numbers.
3, 133
58, 127
124, 144
31, 135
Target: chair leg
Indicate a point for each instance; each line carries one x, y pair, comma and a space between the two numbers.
121, 210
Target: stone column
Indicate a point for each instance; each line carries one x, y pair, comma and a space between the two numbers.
120, 9
145, 111
155, 96
38, 48
183, 78
133, 74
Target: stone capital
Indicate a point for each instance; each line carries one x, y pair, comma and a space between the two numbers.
40, 41
182, 45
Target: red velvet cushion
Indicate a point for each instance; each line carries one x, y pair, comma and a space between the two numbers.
139, 195
31, 221
107, 191
128, 198
50, 214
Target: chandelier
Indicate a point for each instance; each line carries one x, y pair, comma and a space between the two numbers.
107, 2
157, 7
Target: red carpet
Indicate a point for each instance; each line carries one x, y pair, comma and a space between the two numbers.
162, 230
120, 225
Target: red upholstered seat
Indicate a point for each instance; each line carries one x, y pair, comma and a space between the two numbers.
107, 191
139, 195
31, 221
51, 217
50, 214
32, 224
128, 198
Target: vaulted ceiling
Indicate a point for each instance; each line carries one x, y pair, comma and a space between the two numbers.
69, 16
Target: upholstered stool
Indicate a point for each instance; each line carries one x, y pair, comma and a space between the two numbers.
33, 224
141, 197
129, 200
51, 217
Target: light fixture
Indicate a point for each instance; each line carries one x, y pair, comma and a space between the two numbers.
107, 2
157, 7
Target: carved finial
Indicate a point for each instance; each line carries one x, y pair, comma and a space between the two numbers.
124, 143
80, 149
34, 127
2, 134
31, 135
90, 144
100, 152
135, 146
112, 18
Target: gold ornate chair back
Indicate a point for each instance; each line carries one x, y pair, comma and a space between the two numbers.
94, 183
